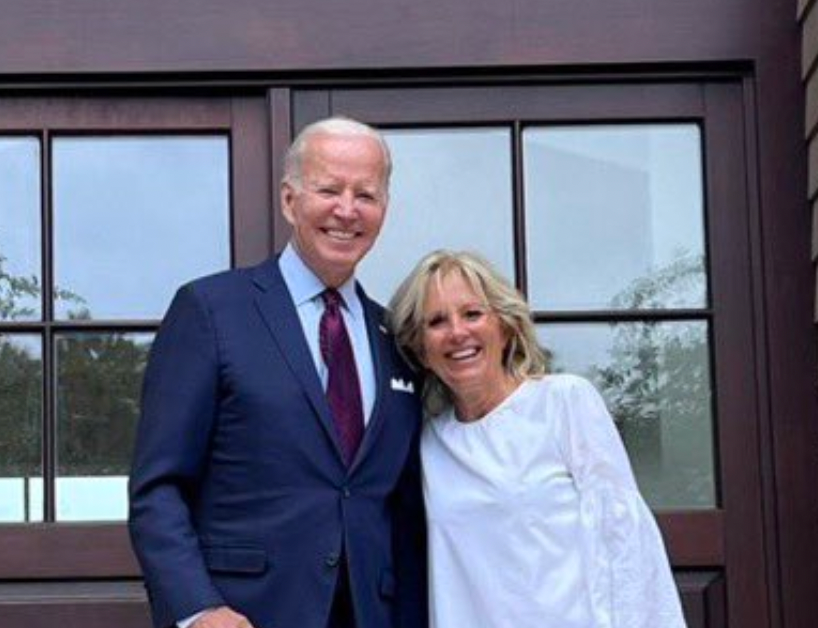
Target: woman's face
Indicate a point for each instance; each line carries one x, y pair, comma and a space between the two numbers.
463, 340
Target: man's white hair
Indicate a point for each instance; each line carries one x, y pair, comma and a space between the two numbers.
339, 126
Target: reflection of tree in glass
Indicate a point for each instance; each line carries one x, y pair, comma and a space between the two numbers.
20, 410
20, 373
639, 370
18, 294
680, 281
100, 377
15, 293
657, 385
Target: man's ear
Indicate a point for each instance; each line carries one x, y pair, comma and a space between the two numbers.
287, 195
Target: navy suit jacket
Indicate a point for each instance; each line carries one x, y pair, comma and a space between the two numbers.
239, 494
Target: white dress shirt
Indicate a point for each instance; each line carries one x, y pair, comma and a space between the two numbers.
535, 519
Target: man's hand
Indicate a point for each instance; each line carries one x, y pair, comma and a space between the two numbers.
222, 617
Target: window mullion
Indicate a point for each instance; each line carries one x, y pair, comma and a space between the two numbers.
517, 174
49, 367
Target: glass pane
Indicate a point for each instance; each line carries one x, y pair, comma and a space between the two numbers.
655, 378
99, 377
21, 400
615, 217
19, 228
135, 217
451, 188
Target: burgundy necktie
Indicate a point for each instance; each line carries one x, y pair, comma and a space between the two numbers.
343, 387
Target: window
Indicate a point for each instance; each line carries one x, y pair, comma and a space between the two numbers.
615, 225
131, 218
107, 207
612, 255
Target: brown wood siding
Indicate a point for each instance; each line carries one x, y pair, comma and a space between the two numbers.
809, 46
809, 41
815, 232
811, 110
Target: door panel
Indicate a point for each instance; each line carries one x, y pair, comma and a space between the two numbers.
713, 519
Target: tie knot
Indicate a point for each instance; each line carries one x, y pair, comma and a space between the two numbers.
332, 298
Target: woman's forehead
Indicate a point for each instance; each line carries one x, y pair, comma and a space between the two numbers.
444, 274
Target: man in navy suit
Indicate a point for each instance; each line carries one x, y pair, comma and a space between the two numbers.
249, 506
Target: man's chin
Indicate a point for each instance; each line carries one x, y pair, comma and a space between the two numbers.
345, 254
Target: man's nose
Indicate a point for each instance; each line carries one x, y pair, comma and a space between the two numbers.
345, 207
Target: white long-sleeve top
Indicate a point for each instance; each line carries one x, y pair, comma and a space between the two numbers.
535, 519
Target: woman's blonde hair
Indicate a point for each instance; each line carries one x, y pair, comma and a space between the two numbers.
522, 358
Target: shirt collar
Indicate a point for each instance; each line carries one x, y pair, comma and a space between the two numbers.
304, 285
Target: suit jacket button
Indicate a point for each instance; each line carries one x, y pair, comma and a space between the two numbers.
346, 492
331, 560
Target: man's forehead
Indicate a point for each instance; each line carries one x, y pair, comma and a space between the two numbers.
335, 147
321, 158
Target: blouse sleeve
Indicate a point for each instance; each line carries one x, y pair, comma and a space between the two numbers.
628, 575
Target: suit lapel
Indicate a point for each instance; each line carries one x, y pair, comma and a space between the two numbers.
278, 311
380, 341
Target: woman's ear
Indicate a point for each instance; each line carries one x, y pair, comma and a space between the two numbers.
510, 346
508, 334
420, 358
414, 358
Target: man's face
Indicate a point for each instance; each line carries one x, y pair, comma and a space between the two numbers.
337, 208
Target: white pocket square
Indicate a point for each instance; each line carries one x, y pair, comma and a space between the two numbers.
399, 384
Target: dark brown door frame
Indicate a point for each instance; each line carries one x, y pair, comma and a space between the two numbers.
256, 172
733, 537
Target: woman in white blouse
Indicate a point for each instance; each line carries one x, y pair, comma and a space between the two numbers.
534, 517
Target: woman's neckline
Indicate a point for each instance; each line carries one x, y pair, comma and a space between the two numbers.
497, 409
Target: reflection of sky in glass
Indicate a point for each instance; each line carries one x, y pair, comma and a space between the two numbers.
451, 188
78, 499
609, 206
20, 219
29, 344
92, 498
656, 380
135, 217
21, 500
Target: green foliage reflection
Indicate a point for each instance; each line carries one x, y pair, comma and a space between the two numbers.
20, 408
655, 378
99, 379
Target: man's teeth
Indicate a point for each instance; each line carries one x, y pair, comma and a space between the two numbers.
340, 235
463, 354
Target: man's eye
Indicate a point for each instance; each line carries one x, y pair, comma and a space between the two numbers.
327, 192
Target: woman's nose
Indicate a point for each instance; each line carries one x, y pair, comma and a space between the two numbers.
457, 329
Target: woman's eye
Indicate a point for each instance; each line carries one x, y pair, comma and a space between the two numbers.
473, 315
435, 321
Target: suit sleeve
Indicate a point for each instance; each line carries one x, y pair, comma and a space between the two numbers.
179, 405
